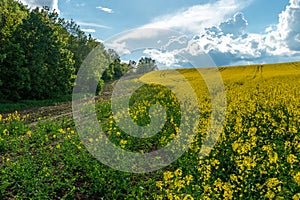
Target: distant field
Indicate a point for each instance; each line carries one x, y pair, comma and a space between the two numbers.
242, 74
257, 155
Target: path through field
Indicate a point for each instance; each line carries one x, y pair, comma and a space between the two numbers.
57, 111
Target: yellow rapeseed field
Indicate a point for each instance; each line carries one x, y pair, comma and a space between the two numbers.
256, 155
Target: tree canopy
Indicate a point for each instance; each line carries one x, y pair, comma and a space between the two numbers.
41, 53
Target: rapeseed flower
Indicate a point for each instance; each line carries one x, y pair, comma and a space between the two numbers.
297, 178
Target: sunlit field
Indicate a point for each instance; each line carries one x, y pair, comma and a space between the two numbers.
256, 156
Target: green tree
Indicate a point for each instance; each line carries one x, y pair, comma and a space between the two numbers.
146, 65
116, 68
13, 76
48, 59
41, 53
80, 44
92, 69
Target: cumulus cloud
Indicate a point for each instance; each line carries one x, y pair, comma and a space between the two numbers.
218, 30
235, 25
166, 58
107, 10
194, 19
289, 25
229, 44
52, 4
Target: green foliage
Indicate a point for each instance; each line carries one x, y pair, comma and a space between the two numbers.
49, 62
41, 54
11, 15
78, 43
13, 77
146, 65
116, 68
9, 106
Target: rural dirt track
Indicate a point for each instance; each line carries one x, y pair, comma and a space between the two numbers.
57, 111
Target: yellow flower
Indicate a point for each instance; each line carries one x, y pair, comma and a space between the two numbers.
252, 131
207, 188
169, 195
45, 169
61, 131
292, 159
235, 146
273, 157
168, 175
272, 182
287, 144
270, 194
123, 143
188, 196
178, 172
188, 179
29, 133
234, 178
0, 117
297, 178
159, 184
215, 163
172, 136
58, 146
5, 132
296, 196
179, 184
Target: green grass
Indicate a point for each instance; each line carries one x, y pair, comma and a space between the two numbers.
6, 107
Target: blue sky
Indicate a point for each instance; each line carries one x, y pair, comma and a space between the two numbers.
131, 14
230, 31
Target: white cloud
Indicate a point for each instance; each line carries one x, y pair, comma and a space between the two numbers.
120, 47
99, 40
194, 19
235, 25
219, 30
52, 4
228, 44
107, 10
289, 25
166, 58
92, 25
134, 39
89, 30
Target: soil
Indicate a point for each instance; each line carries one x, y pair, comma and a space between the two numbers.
57, 110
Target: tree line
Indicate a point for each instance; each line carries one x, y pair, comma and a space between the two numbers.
41, 53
